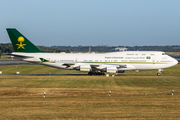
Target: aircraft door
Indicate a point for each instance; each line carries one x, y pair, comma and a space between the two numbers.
76, 59
153, 60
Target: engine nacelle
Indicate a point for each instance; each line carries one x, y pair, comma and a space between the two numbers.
85, 68
111, 69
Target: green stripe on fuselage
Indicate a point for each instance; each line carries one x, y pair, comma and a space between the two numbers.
125, 62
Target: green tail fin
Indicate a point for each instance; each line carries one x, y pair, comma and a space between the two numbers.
43, 60
21, 43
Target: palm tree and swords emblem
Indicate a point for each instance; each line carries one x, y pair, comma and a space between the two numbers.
21, 40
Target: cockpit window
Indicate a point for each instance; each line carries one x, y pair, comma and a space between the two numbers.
164, 54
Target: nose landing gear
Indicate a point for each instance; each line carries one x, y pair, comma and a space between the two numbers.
159, 72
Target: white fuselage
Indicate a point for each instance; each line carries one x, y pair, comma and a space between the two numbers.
131, 60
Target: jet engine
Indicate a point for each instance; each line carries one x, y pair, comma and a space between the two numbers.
85, 68
111, 69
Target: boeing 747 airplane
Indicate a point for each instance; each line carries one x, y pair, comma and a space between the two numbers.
92, 63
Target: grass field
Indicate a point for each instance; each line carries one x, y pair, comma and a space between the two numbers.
87, 97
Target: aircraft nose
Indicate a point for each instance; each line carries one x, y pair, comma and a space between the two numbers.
175, 62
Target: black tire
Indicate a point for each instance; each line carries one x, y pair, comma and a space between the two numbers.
90, 73
158, 74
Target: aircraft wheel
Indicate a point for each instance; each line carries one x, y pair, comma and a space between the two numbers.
158, 74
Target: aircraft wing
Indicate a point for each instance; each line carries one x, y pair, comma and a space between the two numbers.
122, 66
64, 64
68, 64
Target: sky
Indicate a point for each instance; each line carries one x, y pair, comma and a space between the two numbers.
93, 22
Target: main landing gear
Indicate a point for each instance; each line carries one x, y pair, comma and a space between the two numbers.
96, 73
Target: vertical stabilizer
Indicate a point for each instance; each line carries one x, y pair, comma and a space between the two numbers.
21, 43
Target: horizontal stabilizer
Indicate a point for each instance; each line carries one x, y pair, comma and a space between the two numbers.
43, 60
